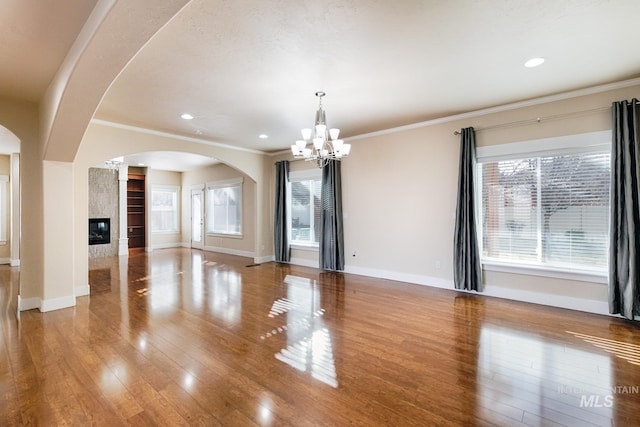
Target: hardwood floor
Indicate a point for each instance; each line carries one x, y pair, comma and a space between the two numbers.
181, 337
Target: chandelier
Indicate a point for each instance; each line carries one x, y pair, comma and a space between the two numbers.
324, 143
114, 164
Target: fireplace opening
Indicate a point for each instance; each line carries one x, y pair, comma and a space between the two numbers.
99, 231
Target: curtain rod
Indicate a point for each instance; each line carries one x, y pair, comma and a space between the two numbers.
540, 119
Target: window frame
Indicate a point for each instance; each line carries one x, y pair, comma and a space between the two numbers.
208, 207
176, 209
297, 176
591, 142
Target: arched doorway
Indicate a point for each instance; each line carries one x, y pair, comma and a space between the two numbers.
9, 197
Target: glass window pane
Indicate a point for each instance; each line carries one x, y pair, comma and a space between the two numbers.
575, 209
301, 210
551, 210
224, 213
164, 210
510, 211
305, 211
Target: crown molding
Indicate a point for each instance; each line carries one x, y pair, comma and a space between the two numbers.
155, 132
501, 108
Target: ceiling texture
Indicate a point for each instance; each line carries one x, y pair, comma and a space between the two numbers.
251, 67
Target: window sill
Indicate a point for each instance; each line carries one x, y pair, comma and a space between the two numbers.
230, 236
303, 247
556, 273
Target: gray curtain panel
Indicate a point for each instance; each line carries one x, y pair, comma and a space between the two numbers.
624, 244
466, 258
331, 231
281, 236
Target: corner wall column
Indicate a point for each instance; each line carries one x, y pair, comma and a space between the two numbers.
123, 240
58, 237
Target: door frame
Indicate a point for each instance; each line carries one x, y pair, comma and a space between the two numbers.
197, 190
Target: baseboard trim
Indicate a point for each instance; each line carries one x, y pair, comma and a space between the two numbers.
81, 291
306, 263
559, 301
417, 279
25, 304
263, 259
57, 303
247, 254
166, 246
123, 246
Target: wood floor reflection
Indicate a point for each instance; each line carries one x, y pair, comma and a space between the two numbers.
182, 337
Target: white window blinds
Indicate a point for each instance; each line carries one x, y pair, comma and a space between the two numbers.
224, 207
550, 210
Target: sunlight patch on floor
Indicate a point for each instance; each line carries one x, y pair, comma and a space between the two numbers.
623, 350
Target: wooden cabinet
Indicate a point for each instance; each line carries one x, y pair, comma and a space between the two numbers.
136, 208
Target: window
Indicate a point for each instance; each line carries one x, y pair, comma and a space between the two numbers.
224, 207
164, 209
546, 208
304, 207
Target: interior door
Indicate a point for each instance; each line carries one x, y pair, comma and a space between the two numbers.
197, 218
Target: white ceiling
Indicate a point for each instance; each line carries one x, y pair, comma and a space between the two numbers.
249, 67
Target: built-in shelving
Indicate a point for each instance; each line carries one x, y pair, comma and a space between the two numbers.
136, 203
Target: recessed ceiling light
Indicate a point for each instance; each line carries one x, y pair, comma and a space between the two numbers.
263, 136
140, 164
534, 62
187, 116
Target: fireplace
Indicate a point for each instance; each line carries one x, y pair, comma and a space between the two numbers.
99, 231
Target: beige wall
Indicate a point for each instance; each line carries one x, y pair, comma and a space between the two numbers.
399, 208
245, 245
159, 177
21, 118
399, 195
104, 141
